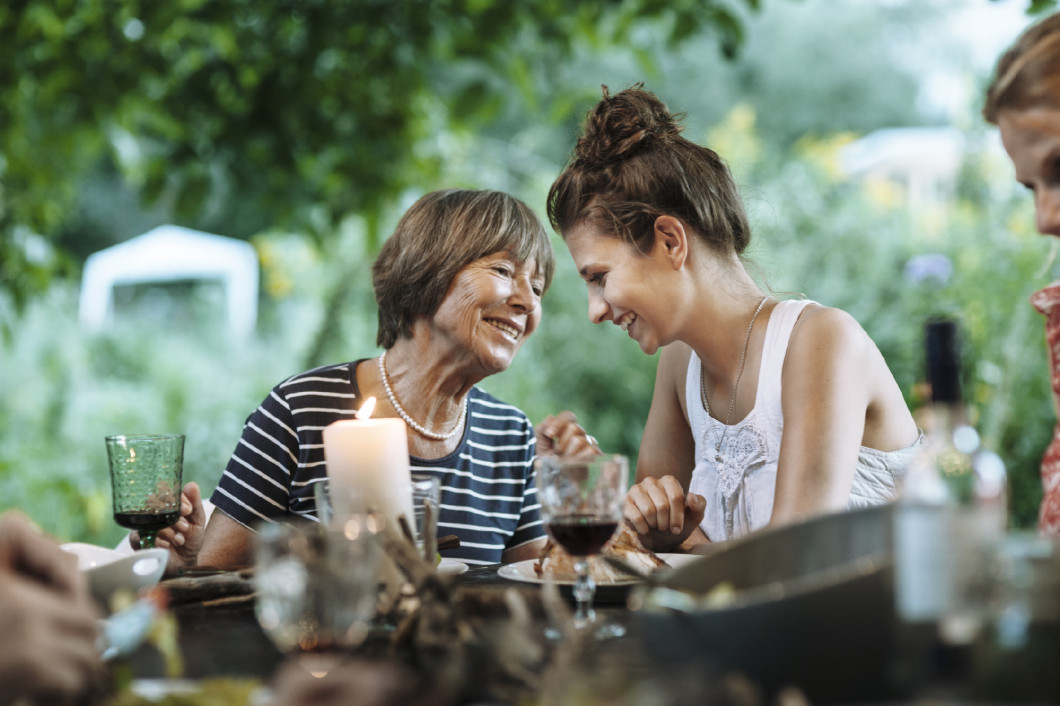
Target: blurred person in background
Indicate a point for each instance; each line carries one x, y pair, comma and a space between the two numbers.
1023, 100
764, 411
48, 652
459, 287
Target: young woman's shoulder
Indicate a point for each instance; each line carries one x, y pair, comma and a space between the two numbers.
824, 331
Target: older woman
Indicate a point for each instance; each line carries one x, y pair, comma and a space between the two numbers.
459, 288
1023, 100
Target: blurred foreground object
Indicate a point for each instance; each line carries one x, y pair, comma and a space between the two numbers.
775, 611
952, 511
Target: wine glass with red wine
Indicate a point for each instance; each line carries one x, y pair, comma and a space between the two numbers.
145, 476
581, 505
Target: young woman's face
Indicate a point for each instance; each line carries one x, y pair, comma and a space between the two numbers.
492, 307
620, 282
1032, 140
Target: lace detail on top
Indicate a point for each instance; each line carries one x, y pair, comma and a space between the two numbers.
740, 450
738, 479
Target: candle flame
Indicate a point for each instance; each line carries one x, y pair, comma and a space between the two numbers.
366, 409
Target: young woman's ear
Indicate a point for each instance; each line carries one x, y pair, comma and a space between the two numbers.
671, 240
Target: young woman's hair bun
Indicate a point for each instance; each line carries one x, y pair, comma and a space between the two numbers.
632, 165
622, 124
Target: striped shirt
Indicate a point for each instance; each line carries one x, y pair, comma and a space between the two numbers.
488, 497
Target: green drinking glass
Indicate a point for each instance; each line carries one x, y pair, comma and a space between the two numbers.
145, 476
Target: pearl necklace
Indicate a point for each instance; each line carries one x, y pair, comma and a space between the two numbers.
405, 415
735, 386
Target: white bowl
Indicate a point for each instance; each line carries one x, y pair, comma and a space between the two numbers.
108, 570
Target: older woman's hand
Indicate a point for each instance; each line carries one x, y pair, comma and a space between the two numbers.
184, 538
561, 435
662, 514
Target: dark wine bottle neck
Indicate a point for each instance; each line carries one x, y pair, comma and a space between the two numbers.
943, 361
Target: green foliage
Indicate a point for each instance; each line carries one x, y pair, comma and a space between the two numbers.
295, 114
64, 390
816, 234
307, 125
1040, 7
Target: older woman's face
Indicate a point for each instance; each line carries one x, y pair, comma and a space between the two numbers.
491, 308
1032, 140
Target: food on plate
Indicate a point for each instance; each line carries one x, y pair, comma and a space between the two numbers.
558, 565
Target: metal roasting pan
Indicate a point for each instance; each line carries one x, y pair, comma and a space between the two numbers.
811, 606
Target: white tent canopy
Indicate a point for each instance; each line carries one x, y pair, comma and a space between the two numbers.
924, 161
168, 254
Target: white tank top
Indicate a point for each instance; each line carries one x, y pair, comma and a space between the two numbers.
739, 479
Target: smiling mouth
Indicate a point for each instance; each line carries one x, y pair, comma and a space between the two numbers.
510, 332
627, 321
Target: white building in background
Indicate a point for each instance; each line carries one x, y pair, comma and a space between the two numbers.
921, 165
171, 254
922, 162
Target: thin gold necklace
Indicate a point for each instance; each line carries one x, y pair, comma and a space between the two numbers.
735, 386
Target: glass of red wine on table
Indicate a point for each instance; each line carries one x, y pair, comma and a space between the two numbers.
581, 506
145, 476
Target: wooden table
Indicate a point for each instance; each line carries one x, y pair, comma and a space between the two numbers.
225, 640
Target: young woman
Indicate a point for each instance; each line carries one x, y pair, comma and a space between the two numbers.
764, 411
1023, 100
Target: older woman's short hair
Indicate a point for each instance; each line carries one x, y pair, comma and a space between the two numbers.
437, 237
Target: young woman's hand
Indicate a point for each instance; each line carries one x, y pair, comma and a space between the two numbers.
663, 515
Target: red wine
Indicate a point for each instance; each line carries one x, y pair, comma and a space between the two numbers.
582, 535
147, 521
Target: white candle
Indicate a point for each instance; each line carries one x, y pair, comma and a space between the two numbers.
368, 462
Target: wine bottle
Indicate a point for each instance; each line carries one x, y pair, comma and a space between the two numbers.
951, 512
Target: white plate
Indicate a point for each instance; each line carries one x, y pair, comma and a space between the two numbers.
451, 566
107, 570
524, 570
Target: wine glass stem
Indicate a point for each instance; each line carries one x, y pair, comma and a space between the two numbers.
584, 589
147, 540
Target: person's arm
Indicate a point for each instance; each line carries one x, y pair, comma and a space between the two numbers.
48, 653
529, 550
667, 447
226, 544
255, 484
828, 378
659, 506
528, 539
